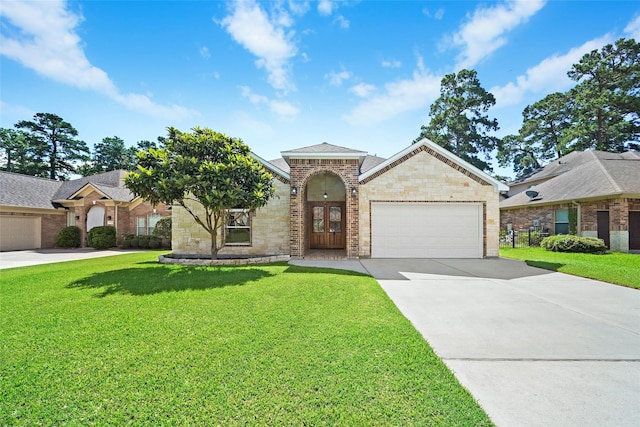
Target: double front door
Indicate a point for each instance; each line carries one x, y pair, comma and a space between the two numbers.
326, 225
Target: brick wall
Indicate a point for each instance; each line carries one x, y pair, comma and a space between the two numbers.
302, 171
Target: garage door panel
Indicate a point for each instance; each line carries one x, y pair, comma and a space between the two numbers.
19, 232
426, 230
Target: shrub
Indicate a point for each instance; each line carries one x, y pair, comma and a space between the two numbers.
571, 243
155, 242
69, 237
135, 242
102, 237
143, 241
163, 228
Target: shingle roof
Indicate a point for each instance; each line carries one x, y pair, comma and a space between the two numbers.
325, 147
113, 179
27, 191
281, 164
370, 162
579, 175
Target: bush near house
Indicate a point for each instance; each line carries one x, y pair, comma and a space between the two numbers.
102, 237
69, 237
571, 243
141, 242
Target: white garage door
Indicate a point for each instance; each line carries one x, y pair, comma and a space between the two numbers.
426, 230
19, 232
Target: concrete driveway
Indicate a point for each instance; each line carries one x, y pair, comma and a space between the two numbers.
46, 256
534, 347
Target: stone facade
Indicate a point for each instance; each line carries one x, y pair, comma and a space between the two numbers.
521, 218
269, 229
424, 177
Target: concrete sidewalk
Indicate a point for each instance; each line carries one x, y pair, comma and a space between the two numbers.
47, 256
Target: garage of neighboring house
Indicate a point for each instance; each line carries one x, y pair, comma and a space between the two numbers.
634, 230
426, 230
20, 232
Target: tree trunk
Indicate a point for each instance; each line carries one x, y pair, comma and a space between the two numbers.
214, 243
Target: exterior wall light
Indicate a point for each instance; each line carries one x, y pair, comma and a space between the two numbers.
294, 190
354, 191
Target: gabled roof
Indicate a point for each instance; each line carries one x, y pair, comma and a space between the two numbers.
440, 153
27, 191
112, 179
577, 176
324, 151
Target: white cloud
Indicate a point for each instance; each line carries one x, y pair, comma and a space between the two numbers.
391, 63
305, 57
204, 52
283, 109
325, 7
336, 79
363, 90
633, 29
398, 97
438, 14
267, 39
549, 76
484, 31
45, 40
342, 22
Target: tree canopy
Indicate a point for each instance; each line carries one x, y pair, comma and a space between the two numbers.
459, 121
202, 168
53, 141
601, 112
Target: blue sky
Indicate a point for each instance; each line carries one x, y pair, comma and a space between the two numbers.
284, 74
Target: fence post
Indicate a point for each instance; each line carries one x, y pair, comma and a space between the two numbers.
513, 239
529, 237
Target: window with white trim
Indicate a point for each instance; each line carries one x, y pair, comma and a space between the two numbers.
561, 221
238, 227
71, 219
141, 225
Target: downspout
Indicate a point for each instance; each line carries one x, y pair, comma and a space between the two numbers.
578, 207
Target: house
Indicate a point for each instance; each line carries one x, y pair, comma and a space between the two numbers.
34, 210
423, 202
600, 190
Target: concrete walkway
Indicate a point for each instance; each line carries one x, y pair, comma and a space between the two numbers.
46, 256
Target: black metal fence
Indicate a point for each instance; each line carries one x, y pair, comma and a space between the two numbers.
521, 238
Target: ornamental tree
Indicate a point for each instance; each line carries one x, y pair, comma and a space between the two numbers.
205, 168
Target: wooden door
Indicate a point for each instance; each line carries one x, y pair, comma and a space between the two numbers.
326, 225
603, 227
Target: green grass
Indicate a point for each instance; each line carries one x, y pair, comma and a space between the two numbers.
125, 341
619, 268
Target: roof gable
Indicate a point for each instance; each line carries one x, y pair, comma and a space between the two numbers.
439, 153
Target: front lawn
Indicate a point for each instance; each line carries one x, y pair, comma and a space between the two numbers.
123, 340
619, 268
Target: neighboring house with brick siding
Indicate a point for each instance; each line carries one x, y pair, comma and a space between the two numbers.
423, 202
600, 190
34, 210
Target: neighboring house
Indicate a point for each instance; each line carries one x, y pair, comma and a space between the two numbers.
423, 202
34, 210
600, 190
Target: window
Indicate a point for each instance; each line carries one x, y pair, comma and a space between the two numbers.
141, 220
71, 218
238, 228
561, 222
152, 220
